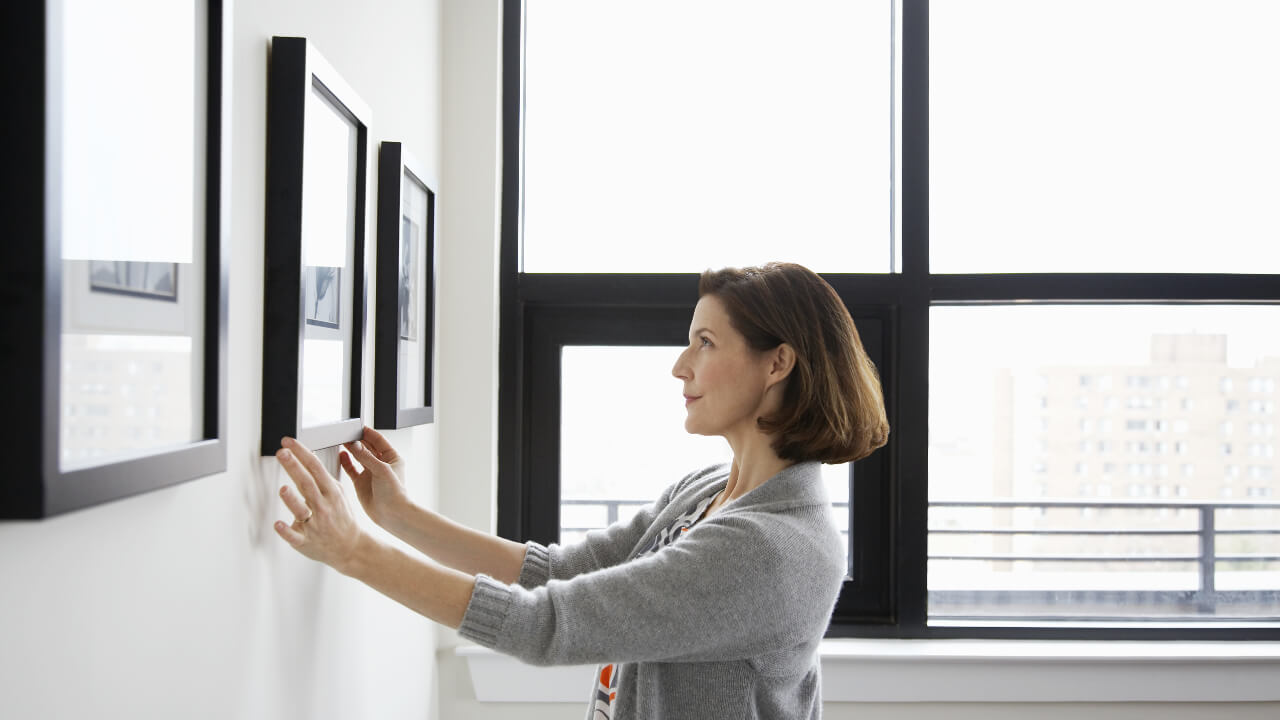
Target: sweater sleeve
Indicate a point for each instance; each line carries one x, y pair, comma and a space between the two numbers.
735, 586
599, 549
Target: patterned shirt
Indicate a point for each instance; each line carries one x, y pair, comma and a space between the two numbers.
607, 677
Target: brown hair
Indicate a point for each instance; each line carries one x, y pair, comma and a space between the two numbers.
832, 407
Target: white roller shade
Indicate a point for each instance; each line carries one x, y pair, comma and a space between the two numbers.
132, 130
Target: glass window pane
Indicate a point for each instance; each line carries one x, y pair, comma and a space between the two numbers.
131, 221
1104, 136
328, 254
416, 214
131, 182
132, 339
1077, 461
677, 135
615, 400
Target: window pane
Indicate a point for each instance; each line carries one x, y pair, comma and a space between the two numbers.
131, 228
417, 242
329, 200
673, 136
1104, 136
623, 439
1103, 463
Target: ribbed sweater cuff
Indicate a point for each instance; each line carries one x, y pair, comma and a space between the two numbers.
486, 612
536, 570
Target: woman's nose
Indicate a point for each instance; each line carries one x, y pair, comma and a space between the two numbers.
680, 369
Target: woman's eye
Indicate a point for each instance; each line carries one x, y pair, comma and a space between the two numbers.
704, 342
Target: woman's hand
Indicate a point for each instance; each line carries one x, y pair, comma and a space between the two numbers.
380, 485
324, 528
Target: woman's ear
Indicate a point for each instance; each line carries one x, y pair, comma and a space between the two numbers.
782, 360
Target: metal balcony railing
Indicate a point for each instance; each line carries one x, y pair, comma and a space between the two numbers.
1207, 531
1205, 601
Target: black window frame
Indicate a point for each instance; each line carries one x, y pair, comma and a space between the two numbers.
887, 595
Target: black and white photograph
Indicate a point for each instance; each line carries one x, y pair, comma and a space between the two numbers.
409, 234
156, 280
324, 291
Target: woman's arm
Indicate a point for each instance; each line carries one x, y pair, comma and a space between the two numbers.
458, 546
737, 585
325, 530
380, 489
436, 592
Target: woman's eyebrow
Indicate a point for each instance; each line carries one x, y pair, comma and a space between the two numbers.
702, 330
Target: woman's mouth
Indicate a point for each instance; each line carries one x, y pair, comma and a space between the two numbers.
688, 399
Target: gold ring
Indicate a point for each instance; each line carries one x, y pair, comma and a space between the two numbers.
308, 517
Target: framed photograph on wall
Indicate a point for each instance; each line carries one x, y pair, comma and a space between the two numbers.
324, 288
405, 325
314, 294
156, 280
115, 286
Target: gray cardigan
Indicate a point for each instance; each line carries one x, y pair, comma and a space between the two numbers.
724, 623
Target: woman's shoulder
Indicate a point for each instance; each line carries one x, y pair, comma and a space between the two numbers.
790, 514
700, 479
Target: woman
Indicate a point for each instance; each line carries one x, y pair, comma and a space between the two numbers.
709, 603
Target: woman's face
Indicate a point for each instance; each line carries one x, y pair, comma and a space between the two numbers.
724, 379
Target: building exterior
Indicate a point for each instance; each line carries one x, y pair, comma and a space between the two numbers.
1122, 486
1186, 426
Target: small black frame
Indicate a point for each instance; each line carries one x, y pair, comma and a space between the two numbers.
31, 279
295, 69
395, 165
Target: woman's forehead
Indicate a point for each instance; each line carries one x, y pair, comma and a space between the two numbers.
709, 313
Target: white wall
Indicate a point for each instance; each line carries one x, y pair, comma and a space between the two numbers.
182, 603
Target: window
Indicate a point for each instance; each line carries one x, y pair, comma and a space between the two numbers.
1157, 76
714, 134
1021, 306
596, 489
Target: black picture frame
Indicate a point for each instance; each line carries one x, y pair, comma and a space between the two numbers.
31, 303
397, 321
296, 70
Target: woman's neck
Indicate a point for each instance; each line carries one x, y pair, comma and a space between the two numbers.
753, 464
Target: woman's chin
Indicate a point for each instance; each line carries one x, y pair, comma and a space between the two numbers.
694, 428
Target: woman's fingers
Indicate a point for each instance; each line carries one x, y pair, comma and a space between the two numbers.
323, 528
321, 477
380, 445
364, 455
301, 511
302, 478
344, 459
291, 536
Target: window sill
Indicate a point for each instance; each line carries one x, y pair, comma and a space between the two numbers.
865, 670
